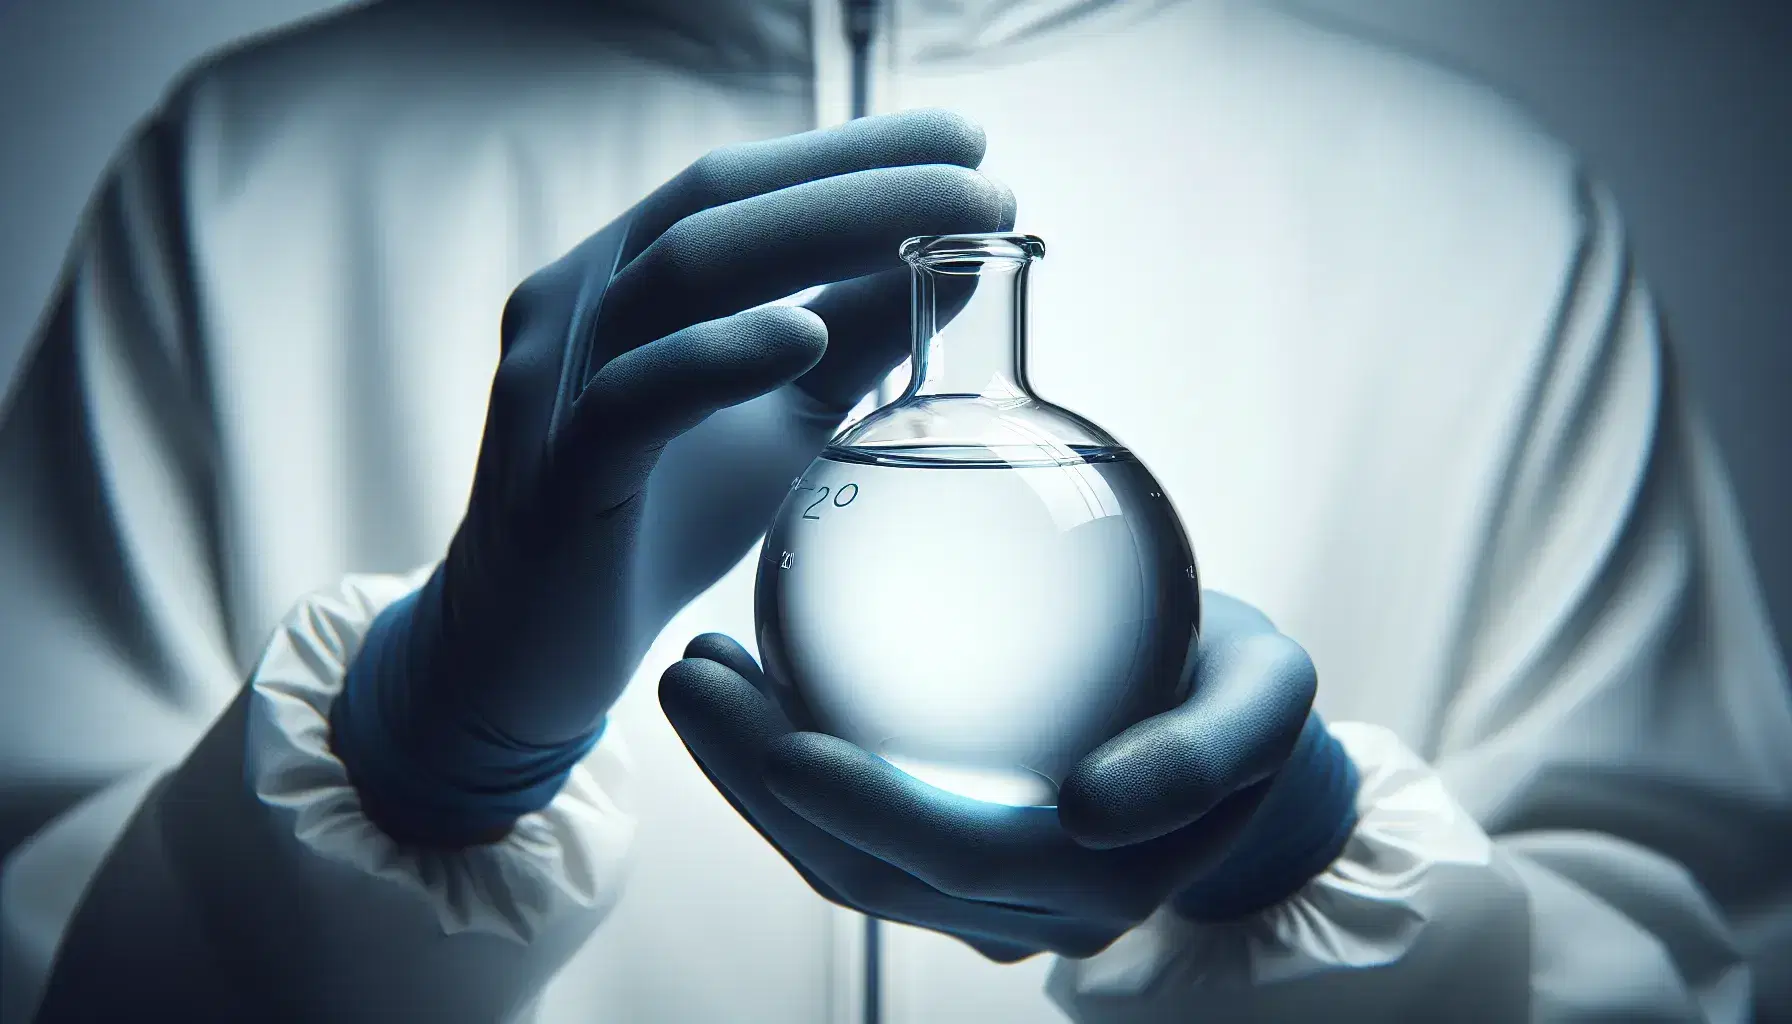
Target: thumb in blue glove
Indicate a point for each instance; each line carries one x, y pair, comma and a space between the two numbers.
1219, 807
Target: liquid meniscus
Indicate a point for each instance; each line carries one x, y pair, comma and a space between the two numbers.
981, 617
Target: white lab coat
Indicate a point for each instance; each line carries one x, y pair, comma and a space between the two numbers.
1379, 339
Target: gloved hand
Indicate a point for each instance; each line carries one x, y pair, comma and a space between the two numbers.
607, 493
1223, 806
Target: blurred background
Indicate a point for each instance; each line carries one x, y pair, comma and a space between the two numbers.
1684, 107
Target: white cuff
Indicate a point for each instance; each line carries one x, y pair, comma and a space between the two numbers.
1398, 884
568, 859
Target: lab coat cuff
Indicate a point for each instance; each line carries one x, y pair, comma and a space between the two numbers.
1413, 850
567, 859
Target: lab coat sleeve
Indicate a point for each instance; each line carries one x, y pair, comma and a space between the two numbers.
1600, 832
179, 845
248, 884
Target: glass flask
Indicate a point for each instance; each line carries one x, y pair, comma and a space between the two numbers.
975, 584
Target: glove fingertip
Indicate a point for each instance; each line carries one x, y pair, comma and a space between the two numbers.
1124, 794
719, 647
699, 688
799, 321
1009, 206
790, 339
727, 652
1090, 818
679, 689
951, 136
713, 708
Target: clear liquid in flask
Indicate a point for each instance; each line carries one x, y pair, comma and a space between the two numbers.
980, 616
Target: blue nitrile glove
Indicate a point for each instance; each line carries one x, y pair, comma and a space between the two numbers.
645, 421
1222, 807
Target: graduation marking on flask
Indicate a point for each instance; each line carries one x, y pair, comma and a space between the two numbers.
843, 496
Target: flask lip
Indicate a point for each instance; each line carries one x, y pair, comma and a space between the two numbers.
943, 252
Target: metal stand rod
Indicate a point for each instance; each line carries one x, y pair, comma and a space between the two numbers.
861, 22
874, 995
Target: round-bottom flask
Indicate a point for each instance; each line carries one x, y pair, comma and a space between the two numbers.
970, 582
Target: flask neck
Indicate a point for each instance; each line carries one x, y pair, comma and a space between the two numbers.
970, 330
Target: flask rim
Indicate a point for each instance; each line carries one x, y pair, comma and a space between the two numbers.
933, 251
